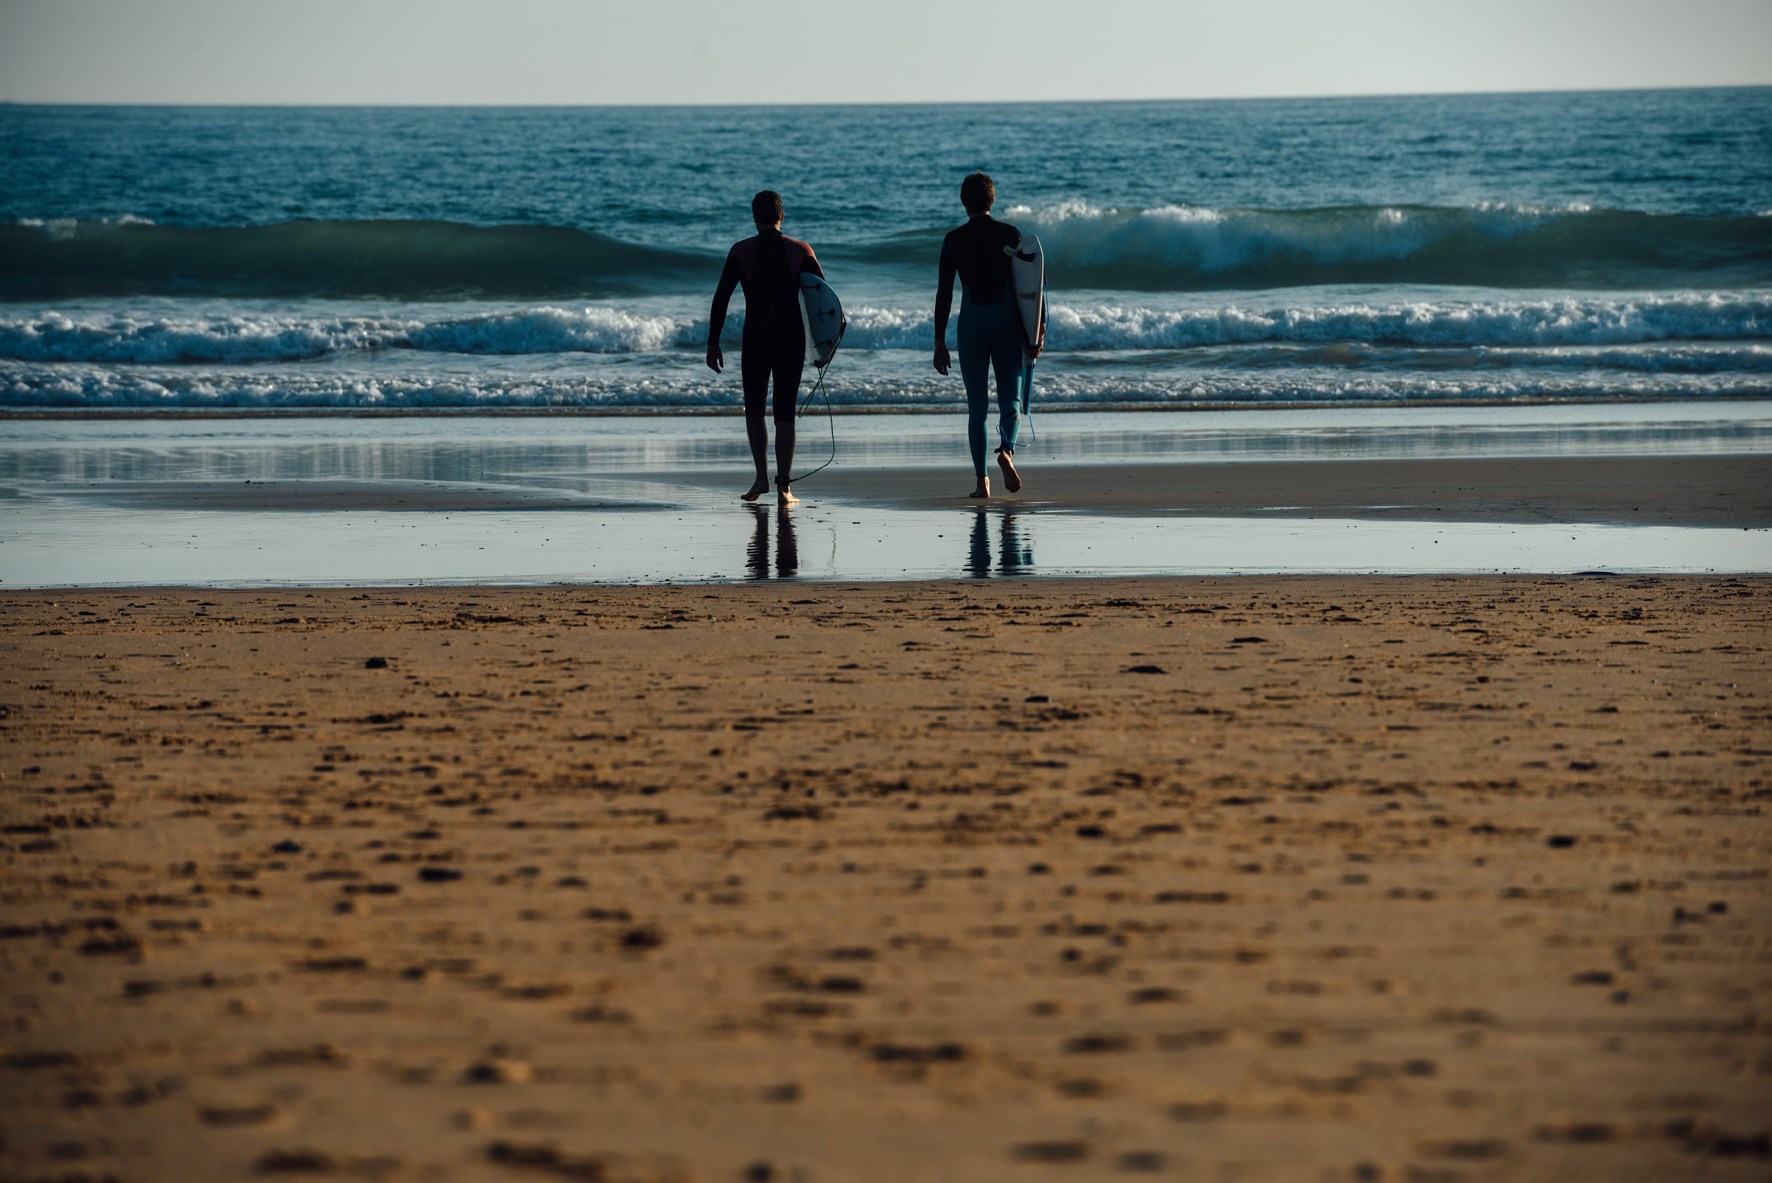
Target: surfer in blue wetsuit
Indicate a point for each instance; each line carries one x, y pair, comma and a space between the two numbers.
991, 335
768, 266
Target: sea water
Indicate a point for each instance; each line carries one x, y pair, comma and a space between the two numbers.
1486, 248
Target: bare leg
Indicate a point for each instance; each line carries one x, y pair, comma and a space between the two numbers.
784, 461
758, 435
1006, 461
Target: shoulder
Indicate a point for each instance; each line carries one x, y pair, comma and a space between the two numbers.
796, 246
955, 236
743, 246
1008, 233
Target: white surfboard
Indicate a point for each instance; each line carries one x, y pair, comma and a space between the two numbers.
822, 314
1027, 268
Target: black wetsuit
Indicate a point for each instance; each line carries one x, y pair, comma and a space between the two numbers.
774, 343
991, 336
975, 251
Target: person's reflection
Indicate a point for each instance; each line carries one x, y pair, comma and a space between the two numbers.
787, 555
1017, 553
978, 560
787, 551
756, 555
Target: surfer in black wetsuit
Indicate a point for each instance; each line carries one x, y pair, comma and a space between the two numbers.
991, 335
774, 343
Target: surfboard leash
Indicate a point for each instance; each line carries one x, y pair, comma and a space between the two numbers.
1027, 402
818, 391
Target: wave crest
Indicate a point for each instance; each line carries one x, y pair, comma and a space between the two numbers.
1167, 248
241, 339
1187, 248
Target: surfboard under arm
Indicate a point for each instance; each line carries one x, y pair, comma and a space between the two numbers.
822, 314
1027, 268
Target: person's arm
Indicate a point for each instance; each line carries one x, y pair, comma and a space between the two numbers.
944, 305
717, 314
811, 264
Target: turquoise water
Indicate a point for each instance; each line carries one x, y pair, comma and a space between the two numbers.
1512, 248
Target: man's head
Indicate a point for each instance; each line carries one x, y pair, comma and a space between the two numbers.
766, 208
978, 193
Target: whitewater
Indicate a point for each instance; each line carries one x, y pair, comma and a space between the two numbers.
1512, 248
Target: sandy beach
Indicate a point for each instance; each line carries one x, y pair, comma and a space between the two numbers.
1262, 878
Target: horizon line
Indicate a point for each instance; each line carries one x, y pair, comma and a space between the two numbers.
12, 102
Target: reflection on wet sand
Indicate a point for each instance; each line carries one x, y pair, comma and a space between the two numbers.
1018, 553
787, 551
1017, 547
574, 455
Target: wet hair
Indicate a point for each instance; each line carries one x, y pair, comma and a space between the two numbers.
978, 193
766, 208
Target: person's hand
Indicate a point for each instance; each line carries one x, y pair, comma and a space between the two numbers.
1034, 352
716, 359
942, 360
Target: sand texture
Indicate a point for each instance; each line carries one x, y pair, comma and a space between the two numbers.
1224, 879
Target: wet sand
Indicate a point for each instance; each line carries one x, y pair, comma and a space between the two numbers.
1258, 878
1628, 490
1730, 491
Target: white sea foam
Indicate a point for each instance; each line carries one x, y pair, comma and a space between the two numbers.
854, 384
66, 336
64, 229
556, 330
1499, 323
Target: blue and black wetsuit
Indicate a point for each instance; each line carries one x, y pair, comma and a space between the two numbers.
990, 335
769, 267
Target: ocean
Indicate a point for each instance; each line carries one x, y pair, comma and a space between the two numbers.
1482, 248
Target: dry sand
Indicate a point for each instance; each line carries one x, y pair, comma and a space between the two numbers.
1242, 879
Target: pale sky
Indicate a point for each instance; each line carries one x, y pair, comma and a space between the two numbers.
829, 51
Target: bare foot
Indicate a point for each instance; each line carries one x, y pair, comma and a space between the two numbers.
759, 487
1011, 478
785, 496
983, 492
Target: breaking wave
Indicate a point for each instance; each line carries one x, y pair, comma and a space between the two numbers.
248, 339
99, 388
1170, 248
1190, 248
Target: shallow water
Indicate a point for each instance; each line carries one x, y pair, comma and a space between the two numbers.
568, 454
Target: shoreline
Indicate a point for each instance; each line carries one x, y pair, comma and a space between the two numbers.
1252, 518
46, 413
